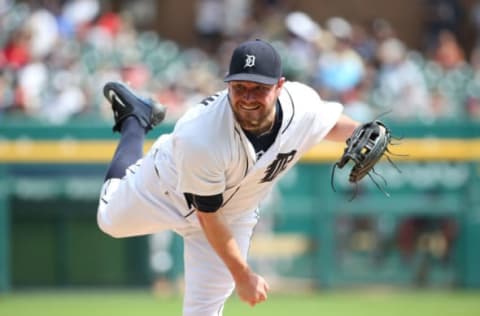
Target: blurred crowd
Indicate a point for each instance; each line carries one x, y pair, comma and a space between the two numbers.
55, 57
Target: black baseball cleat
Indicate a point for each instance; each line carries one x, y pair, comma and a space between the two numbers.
126, 103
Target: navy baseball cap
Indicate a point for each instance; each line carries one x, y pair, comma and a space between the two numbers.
255, 61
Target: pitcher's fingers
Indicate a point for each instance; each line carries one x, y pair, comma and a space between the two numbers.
266, 287
262, 297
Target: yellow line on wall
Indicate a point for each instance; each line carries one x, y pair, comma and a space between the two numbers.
409, 149
81, 151
70, 151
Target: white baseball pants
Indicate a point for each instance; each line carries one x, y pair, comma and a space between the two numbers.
136, 205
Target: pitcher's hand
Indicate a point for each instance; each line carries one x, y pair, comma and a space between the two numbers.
252, 289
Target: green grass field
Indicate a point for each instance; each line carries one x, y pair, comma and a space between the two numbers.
142, 303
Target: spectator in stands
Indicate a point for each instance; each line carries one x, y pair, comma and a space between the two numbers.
32, 85
356, 103
363, 43
209, 23
173, 97
90, 44
475, 21
472, 102
400, 84
448, 52
303, 34
7, 94
340, 69
44, 33
80, 13
382, 30
16, 52
441, 15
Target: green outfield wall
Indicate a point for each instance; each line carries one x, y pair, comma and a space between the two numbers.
426, 233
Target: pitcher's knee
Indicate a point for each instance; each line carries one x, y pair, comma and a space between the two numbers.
107, 227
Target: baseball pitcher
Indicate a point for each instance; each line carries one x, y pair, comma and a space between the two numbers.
206, 179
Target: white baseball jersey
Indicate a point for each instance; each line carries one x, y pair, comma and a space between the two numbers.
207, 154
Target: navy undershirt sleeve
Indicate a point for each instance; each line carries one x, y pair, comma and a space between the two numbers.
210, 203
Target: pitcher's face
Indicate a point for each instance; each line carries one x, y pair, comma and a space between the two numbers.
253, 104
